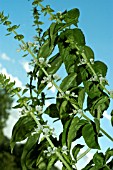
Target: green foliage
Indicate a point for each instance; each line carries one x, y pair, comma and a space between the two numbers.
84, 82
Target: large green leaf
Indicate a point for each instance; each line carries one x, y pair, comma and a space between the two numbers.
72, 16
108, 154
90, 136
65, 132
92, 89
99, 160
75, 125
49, 44
52, 111
28, 147
22, 129
55, 62
68, 82
101, 103
76, 150
100, 68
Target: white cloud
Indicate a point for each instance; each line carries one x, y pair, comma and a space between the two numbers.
53, 89
5, 57
106, 115
26, 66
18, 83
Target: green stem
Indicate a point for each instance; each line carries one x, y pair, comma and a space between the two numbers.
51, 144
83, 154
105, 133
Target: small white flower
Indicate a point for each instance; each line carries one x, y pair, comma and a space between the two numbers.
56, 77
67, 92
64, 149
39, 129
46, 131
41, 60
74, 111
102, 79
92, 60
61, 95
80, 111
111, 93
37, 74
39, 108
46, 63
73, 94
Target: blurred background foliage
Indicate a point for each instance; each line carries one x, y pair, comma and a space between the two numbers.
8, 161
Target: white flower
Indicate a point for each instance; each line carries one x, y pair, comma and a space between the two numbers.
64, 149
41, 60
46, 131
80, 111
46, 64
39, 129
73, 94
39, 108
92, 60
111, 93
67, 92
56, 77
37, 74
102, 79
50, 151
46, 79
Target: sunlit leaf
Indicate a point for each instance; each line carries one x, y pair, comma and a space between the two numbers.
90, 136
22, 129
68, 82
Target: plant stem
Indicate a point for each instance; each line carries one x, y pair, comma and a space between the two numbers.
83, 154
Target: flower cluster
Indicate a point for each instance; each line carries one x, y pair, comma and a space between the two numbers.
82, 61
44, 62
45, 130
67, 93
64, 150
50, 151
39, 109
47, 79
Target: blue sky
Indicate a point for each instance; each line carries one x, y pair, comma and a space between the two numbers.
95, 21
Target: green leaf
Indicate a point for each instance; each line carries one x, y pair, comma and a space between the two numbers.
51, 162
90, 136
49, 44
76, 150
28, 147
108, 154
112, 117
7, 23
81, 97
75, 125
55, 62
22, 129
68, 82
24, 91
98, 160
100, 68
72, 16
19, 37
92, 89
97, 123
52, 111
65, 132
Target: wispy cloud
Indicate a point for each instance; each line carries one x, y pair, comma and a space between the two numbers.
26, 66
18, 83
106, 115
4, 56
